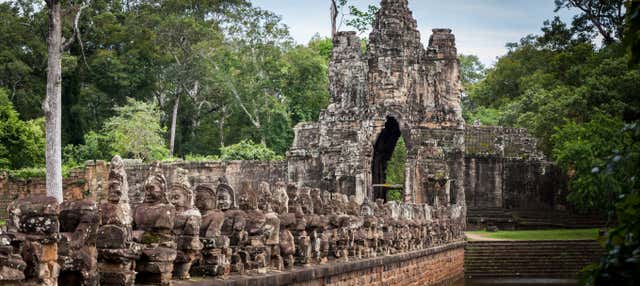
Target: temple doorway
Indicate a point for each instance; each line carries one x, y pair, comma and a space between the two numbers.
388, 183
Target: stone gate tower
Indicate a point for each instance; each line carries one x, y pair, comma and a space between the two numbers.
396, 88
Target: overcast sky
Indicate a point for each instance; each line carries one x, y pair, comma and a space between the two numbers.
481, 27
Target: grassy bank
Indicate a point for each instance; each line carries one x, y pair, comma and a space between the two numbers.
551, 234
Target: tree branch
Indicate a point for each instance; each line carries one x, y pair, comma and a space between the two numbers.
76, 29
235, 93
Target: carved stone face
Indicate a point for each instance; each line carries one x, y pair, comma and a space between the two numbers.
280, 199
115, 189
304, 201
155, 187
264, 197
118, 188
205, 198
365, 210
180, 197
154, 192
247, 199
223, 200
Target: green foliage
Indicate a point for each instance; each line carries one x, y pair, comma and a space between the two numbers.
395, 195
305, 84
21, 142
362, 20
544, 82
595, 16
546, 234
201, 158
471, 69
621, 263
234, 67
486, 115
322, 46
396, 165
582, 150
35, 172
135, 132
96, 147
247, 150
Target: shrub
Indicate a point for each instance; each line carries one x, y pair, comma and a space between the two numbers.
247, 150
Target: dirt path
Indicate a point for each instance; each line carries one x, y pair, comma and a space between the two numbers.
480, 237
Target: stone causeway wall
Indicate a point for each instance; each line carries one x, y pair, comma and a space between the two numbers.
174, 230
91, 181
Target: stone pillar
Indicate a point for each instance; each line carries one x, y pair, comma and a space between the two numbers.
116, 251
35, 227
79, 221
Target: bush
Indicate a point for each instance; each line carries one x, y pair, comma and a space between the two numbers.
96, 147
582, 150
394, 195
247, 150
396, 165
22, 143
135, 132
201, 158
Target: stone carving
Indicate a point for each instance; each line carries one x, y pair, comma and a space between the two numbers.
12, 265
187, 224
116, 250
34, 226
154, 222
215, 252
77, 253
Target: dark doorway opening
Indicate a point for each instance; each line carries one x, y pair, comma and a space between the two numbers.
383, 149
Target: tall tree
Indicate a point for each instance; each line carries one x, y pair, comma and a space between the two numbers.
604, 17
52, 105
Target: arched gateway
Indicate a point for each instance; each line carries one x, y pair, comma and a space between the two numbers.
396, 88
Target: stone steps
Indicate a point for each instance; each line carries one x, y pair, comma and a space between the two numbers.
550, 259
479, 218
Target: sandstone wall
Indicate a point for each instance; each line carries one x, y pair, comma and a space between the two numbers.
441, 265
91, 180
504, 169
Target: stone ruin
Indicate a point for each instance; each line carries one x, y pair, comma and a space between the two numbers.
205, 230
396, 88
331, 207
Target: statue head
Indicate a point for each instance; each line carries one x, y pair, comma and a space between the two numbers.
118, 186
304, 200
365, 208
155, 187
247, 197
180, 194
205, 198
225, 195
280, 198
318, 205
264, 197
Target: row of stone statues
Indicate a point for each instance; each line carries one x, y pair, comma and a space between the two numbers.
208, 230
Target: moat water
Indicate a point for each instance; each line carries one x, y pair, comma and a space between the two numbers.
517, 282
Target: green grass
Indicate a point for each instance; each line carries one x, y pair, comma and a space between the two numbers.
551, 234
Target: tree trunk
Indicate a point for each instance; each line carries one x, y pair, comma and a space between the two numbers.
334, 16
172, 135
221, 125
53, 103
